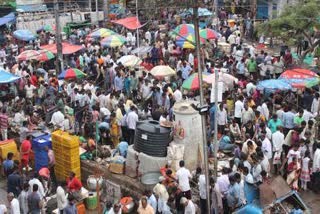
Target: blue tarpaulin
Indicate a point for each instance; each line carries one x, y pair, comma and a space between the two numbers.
6, 77
32, 8
24, 35
7, 18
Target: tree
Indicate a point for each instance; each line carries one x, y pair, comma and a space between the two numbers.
296, 23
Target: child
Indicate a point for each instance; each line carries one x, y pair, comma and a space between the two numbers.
305, 171
293, 173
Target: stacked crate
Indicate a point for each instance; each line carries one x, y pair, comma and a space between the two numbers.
40, 154
66, 150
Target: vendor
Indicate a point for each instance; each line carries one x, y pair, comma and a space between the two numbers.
74, 185
225, 143
122, 149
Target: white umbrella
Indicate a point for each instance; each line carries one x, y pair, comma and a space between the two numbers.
129, 61
162, 71
223, 77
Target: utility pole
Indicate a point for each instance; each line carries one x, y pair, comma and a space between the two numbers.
215, 138
59, 58
138, 39
203, 116
90, 6
71, 10
105, 12
97, 12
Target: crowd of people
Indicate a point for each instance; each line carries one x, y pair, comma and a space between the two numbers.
269, 132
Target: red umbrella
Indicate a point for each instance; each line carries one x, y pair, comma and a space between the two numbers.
298, 73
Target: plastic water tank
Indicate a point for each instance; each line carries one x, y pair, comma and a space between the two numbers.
151, 138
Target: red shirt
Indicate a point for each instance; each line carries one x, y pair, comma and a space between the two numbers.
74, 185
25, 146
3, 121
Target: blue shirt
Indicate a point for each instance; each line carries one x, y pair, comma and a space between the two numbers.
7, 166
234, 195
288, 120
274, 124
212, 112
118, 83
186, 71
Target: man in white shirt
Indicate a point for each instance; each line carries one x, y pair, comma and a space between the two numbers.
277, 142
191, 59
177, 95
183, 176
57, 119
266, 146
14, 207
238, 108
40, 187
61, 198
132, 119
316, 168
189, 207
202, 192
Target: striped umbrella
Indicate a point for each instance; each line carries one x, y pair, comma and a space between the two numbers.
113, 41
183, 30
101, 33
45, 55
71, 73
188, 41
28, 55
209, 34
192, 83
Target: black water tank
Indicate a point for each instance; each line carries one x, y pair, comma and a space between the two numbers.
151, 138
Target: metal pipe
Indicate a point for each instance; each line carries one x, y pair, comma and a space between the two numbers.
203, 117
97, 12
137, 14
216, 144
59, 59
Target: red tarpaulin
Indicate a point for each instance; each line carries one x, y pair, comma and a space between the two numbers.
67, 48
131, 23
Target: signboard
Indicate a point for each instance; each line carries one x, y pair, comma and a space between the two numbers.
113, 192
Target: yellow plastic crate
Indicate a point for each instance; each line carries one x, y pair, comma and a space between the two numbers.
9, 146
65, 139
66, 164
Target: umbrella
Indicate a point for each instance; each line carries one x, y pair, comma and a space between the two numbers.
113, 41
188, 42
183, 30
298, 73
6, 77
71, 73
274, 84
47, 28
129, 60
303, 83
45, 55
192, 83
24, 35
28, 55
101, 33
209, 34
41, 71
162, 71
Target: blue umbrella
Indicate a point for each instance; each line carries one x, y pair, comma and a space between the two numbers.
274, 84
6, 77
24, 35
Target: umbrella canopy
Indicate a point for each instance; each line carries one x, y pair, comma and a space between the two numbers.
183, 30
274, 84
113, 41
162, 71
24, 35
47, 28
192, 83
71, 73
129, 60
28, 55
298, 73
303, 83
6, 77
45, 55
209, 34
67, 48
101, 33
188, 41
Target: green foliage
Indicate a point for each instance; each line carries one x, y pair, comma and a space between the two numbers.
294, 23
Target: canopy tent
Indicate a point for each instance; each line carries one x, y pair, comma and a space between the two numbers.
6, 77
24, 35
7, 18
132, 23
201, 12
67, 48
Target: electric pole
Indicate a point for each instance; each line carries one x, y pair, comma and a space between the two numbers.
203, 116
137, 14
59, 58
105, 12
97, 13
